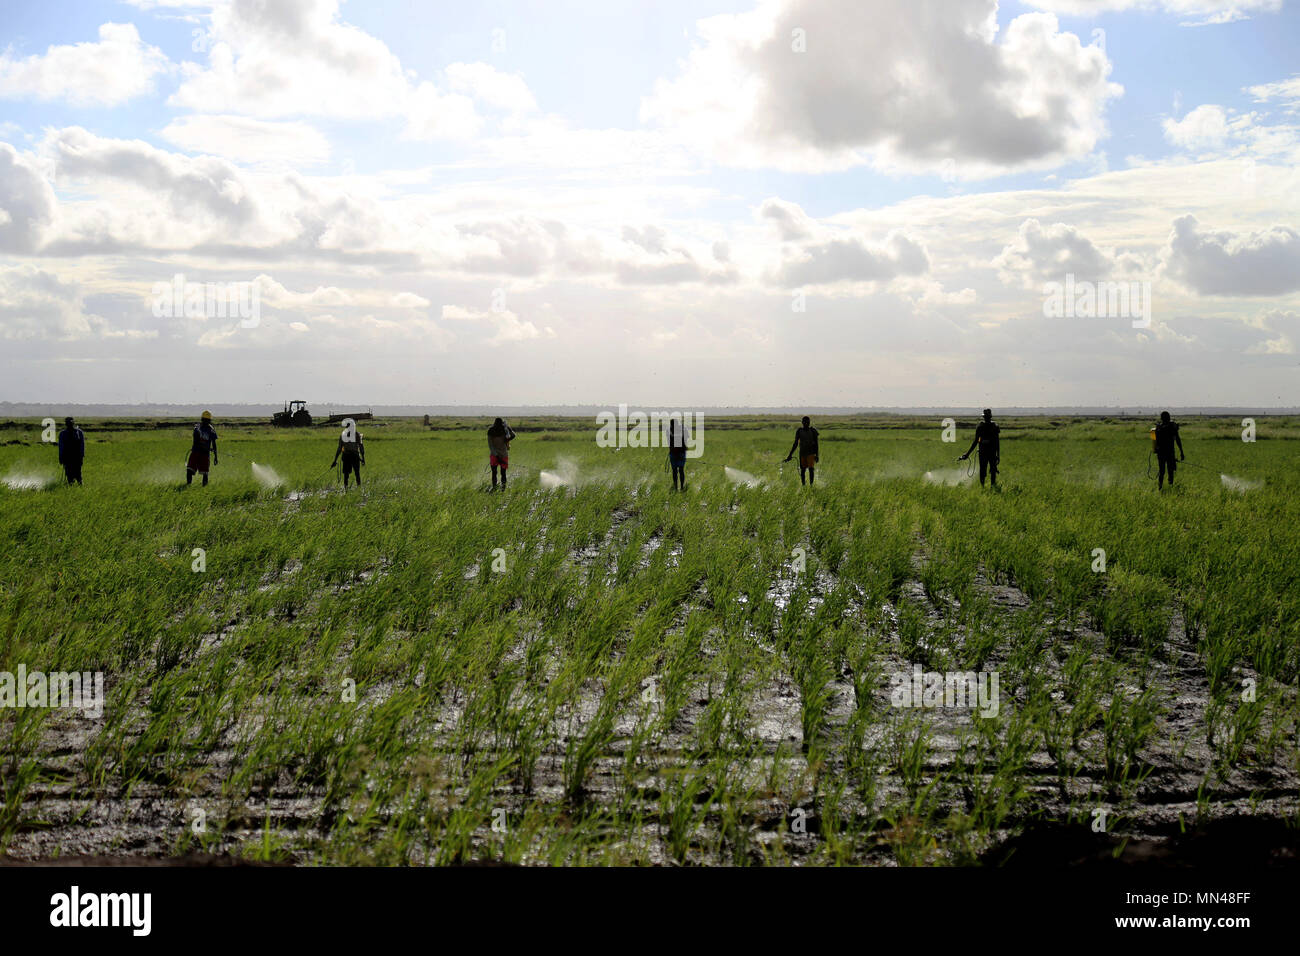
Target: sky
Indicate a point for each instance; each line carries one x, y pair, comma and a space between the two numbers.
658, 204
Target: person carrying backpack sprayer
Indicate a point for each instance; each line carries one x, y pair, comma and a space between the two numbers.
805, 439
500, 435
1164, 437
203, 447
987, 437
353, 449
677, 452
72, 450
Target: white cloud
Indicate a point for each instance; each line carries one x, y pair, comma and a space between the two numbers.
1039, 254
1265, 262
1288, 91
1284, 327
528, 246
27, 203
432, 114
791, 221
656, 261
510, 329
551, 142
677, 266
277, 295
109, 72
213, 184
292, 58
132, 196
1207, 125
818, 254
38, 304
933, 295
457, 313
1204, 11
409, 300
851, 259
650, 238
247, 140
903, 84
508, 326
502, 91
298, 58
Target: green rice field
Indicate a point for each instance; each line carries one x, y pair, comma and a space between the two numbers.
589, 668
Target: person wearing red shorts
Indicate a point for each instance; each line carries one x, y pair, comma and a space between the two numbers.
204, 446
499, 437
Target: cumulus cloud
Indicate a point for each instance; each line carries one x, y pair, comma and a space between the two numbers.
651, 238
291, 58
791, 221
1265, 262
1283, 327
409, 300
434, 114
852, 259
814, 253
904, 84
212, 185
298, 58
491, 87
507, 325
1040, 254
521, 246
38, 304
117, 68
679, 266
459, 313
1207, 125
658, 263
151, 199
357, 317
27, 203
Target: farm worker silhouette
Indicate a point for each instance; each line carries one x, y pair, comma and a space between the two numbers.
1165, 436
353, 449
203, 448
805, 439
987, 434
72, 450
499, 435
677, 452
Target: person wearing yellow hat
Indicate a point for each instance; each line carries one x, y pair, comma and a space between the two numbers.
204, 446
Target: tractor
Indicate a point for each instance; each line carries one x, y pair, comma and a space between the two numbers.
295, 415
